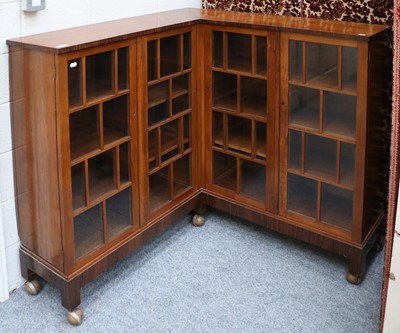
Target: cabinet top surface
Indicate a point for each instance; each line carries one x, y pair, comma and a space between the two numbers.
78, 38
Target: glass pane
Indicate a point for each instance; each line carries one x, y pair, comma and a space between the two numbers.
187, 132
160, 188
253, 96
182, 175
118, 213
123, 68
124, 163
115, 119
84, 132
239, 135
225, 91
88, 231
224, 171
294, 150
295, 61
152, 60
261, 47
180, 94
158, 103
187, 50
349, 75
101, 174
322, 64
217, 49
336, 206
239, 52
340, 114
347, 161
261, 141
170, 140
320, 157
218, 127
154, 150
74, 83
253, 180
99, 75
302, 195
78, 186
304, 104
170, 54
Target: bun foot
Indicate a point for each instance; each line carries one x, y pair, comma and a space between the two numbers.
198, 220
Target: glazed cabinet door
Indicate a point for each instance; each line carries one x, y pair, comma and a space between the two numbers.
167, 119
323, 123
242, 115
99, 141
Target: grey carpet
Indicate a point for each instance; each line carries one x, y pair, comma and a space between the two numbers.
228, 276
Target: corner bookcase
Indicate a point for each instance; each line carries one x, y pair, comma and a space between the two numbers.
122, 127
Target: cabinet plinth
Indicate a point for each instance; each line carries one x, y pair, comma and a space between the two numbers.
281, 121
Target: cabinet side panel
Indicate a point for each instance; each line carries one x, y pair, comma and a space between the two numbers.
378, 130
32, 76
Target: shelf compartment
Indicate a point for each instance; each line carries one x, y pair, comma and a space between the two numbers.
182, 180
295, 150
349, 72
154, 149
118, 213
123, 68
88, 231
261, 53
347, 164
159, 187
253, 180
225, 91
75, 88
170, 55
322, 65
253, 96
217, 49
320, 157
302, 196
99, 76
187, 50
84, 132
239, 51
115, 119
224, 171
180, 94
152, 60
336, 206
218, 129
340, 114
102, 176
78, 186
304, 107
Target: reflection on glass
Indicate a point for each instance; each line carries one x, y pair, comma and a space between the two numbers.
322, 64
75, 83
347, 163
261, 49
295, 149
304, 106
78, 186
225, 91
118, 212
336, 206
253, 180
224, 171
170, 55
182, 175
160, 193
253, 96
295, 61
152, 60
217, 49
99, 75
302, 195
88, 231
123, 68
115, 119
239, 52
124, 163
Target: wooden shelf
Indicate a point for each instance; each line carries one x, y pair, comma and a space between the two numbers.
237, 144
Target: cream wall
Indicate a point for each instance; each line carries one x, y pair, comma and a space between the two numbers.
14, 22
